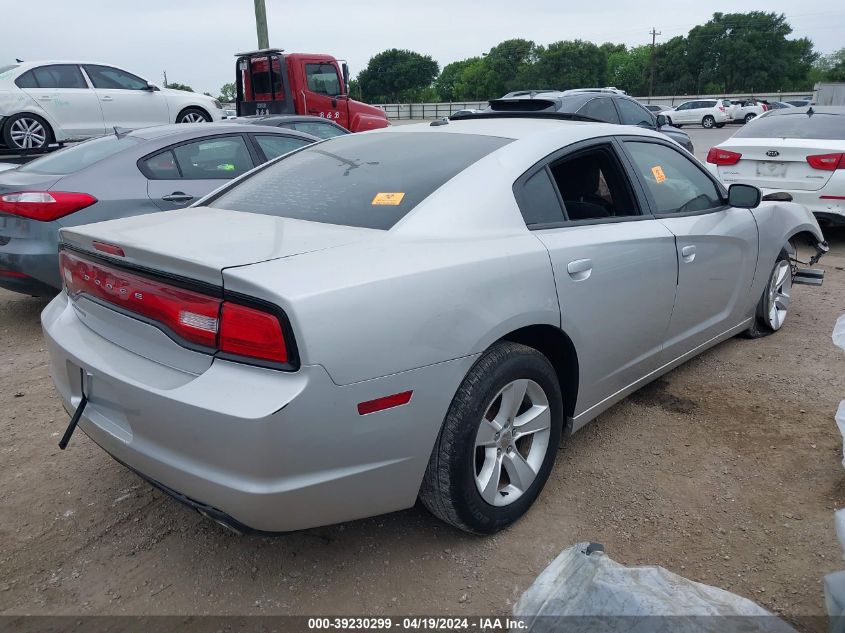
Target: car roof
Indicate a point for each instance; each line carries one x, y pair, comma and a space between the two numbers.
194, 130
804, 109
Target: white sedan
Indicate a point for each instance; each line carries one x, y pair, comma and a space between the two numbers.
47, 102
800, 151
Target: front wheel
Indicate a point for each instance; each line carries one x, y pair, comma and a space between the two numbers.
708, 122
774, 304
193, 115
498, 442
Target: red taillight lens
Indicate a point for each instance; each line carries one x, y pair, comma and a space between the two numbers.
44, 206
187, 314
210, 322
249, 332
828, 162
719, 156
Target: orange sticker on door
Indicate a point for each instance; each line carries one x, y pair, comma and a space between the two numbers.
657, 171
388, 199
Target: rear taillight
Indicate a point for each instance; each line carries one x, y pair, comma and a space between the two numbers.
719, 156
189, 317
827, 162
44, 206
722, 108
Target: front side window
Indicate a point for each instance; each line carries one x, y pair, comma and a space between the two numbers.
323, 79
592, 186
675, 183
364, 180
601, 109
323, 130
634, 114
276, 144
685, 106
108, 78
213, 158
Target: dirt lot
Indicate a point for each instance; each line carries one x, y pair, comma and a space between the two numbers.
726, 471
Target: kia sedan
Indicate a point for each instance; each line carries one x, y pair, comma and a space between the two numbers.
125, 173
423, 311
799, 151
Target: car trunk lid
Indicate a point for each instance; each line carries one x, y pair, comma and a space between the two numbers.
198, 243
777, 164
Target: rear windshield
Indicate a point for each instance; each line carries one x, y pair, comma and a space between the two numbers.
797, 125
78, 157
6, 71
365, 180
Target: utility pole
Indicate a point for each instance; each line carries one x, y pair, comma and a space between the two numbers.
164, 72
654, 34
261, 24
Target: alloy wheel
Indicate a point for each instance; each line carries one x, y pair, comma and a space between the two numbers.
27, 133
780, 286
192, 117
511, 442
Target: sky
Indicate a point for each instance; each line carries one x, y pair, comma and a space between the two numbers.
195, 40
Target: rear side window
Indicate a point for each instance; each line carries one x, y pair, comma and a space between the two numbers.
366, 180
538, 200
73, 159
601, 109
275, 145
162, 166
797, 125
55, 76
707, 104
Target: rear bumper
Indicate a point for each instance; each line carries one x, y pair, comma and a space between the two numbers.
255, 448
827, 211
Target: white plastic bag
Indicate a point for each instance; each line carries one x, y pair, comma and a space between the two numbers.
585, 590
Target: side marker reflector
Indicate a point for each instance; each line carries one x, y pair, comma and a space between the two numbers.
387, 402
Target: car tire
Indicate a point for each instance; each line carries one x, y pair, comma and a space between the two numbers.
749, 116
26, 132
774, 303
469, 451
193, 115
708, 122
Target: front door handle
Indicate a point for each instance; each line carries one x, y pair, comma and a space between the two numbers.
688, 253
177, 196
580, 269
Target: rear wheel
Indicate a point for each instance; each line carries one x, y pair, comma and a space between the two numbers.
498, 443
27, 132
749, 116
708, 122
774, 304
193, 115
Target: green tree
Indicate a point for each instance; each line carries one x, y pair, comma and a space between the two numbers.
176, 86
449, 84
228, 92
570, 64
506, 67
629, 69
829, 67
397, 75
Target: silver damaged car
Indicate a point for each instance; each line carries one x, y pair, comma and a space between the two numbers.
422, 311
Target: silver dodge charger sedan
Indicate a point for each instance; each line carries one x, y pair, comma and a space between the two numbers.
417, 312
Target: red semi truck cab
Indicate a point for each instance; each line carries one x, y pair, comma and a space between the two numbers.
272, 82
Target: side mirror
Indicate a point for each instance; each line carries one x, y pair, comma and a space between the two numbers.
151, 88
662, 120
744, 196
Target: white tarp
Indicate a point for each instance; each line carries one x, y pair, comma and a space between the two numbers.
577, 586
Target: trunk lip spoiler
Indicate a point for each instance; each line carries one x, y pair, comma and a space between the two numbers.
218, 292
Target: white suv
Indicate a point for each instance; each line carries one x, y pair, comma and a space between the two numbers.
709, 113
47, 102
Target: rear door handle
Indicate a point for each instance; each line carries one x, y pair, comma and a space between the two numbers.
580, 269
106, 99
177, 196
45, 98
688, 253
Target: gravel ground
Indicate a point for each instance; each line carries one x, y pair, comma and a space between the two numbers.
726, 471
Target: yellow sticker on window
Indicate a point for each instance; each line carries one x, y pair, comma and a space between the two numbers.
659, 176
388, 199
